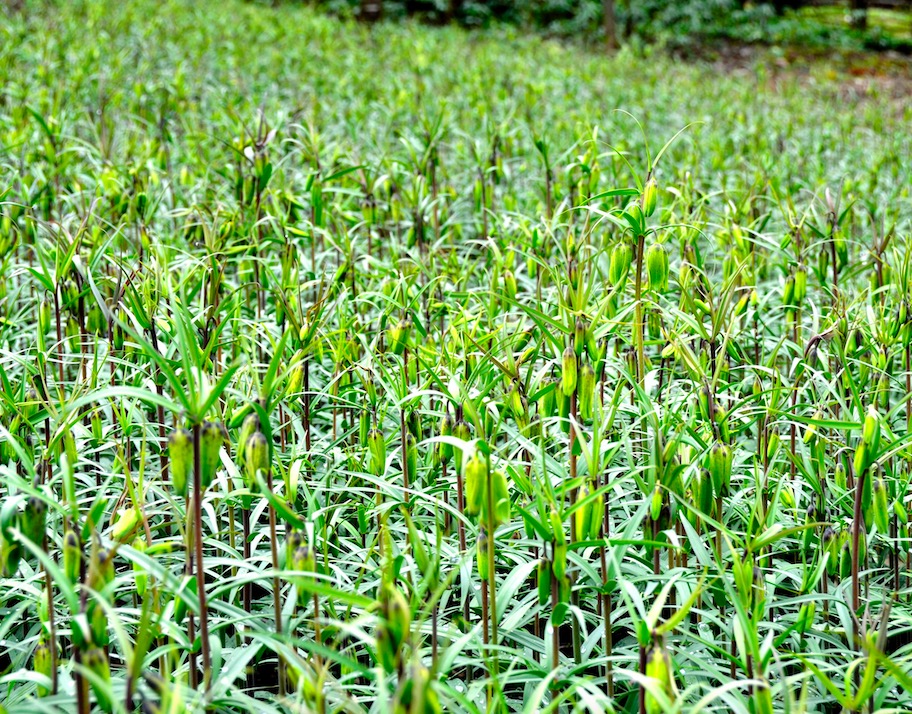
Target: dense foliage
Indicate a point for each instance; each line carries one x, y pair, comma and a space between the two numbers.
392, 368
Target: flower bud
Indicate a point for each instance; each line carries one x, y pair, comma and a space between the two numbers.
44, 317
650, 197
500, 497
586, 391
481, 554
880, 508
180, 454
800, 290
568, 372
657, 267
720, 465
72, 555
126, 523
788, 292
658, 668
256, 458
33, 520
139, 572
621, 259
211, 438
377, 448
397, 615
583, 513
509, 284
475, 471
871, 430
250, 425
96, 662
41, 663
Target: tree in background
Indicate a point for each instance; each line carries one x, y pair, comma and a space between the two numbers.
859, 18
610, 24
371, 10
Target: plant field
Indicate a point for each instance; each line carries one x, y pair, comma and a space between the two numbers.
405, 369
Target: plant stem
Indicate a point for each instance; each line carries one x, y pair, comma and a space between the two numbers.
198, 544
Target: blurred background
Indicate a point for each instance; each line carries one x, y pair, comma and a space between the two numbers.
850, 24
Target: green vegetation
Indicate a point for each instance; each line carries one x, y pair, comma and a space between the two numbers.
402, 369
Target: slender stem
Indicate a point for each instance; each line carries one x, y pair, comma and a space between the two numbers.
198, 544
276, 584
639, 337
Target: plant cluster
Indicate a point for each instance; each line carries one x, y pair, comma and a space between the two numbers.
369, 370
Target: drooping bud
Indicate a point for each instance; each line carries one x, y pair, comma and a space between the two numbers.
880, 508
256, 458
658, 668
657, 267
509, 284
33, 520
800, 285
475, 472
621, 259
211, 438
871, 430
96, 662
650, 197
250, 425
568, 372
41, 663
720, 466
586, 391
180, 454
481, 553
377, 448
72, 555
500, 498
139, 572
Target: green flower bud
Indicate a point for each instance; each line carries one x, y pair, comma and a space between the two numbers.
72, 555
800, 290
657, 267
96, 662
720, 466
41, 663
211, 438
596, 514
125, 525
621, 259
33, 520
871, 430
180, 454
509, 284
256, 458
139, 572
658, 668
475, 470
377, 448
249, 426
396, 612
862, 458
500, 497
44, 317
586, 391
788, 292
583, 514
839, 476
568, 372
650, 197
481, 554
880, 508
